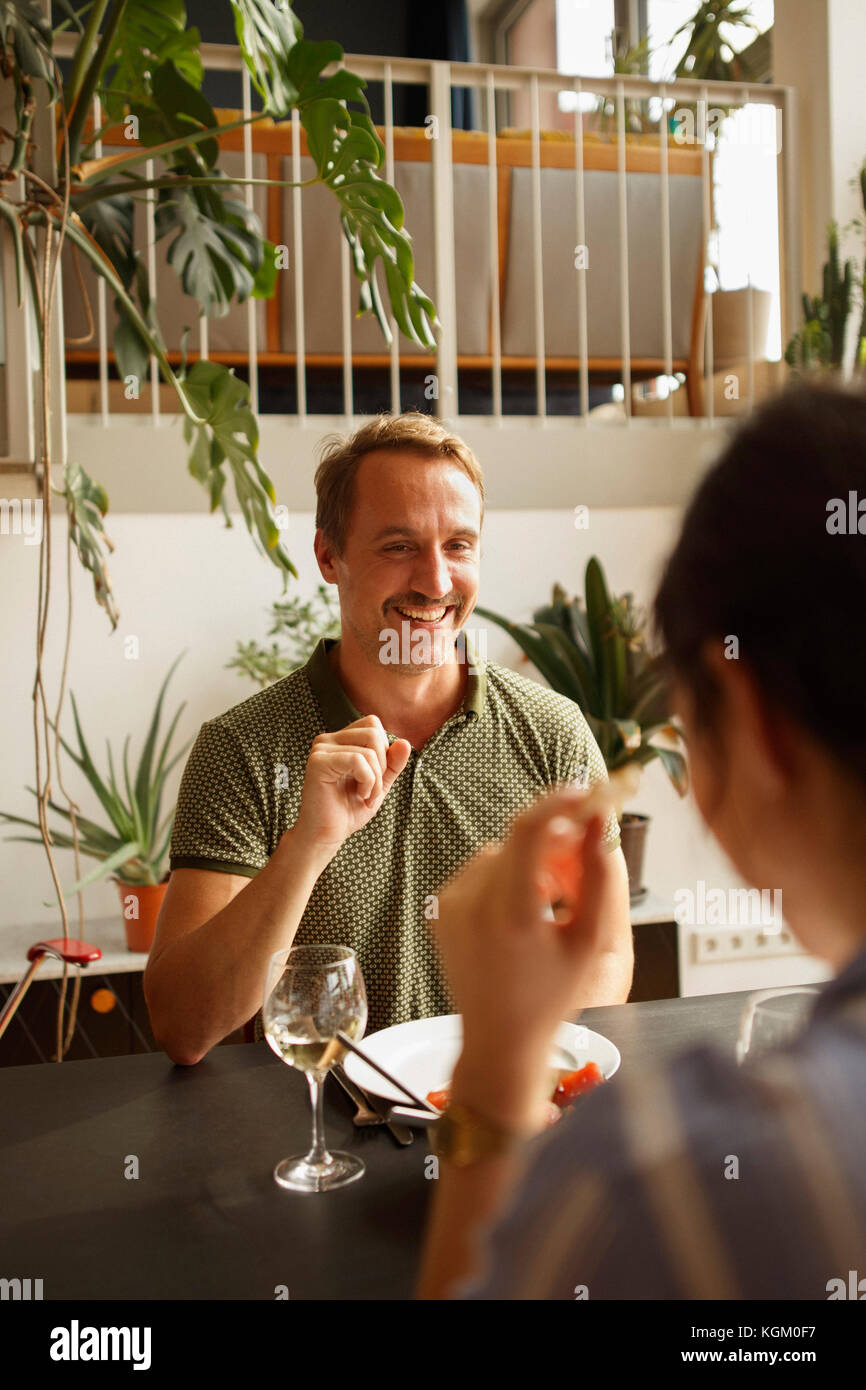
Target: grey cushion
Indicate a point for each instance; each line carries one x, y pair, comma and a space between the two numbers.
322, 237
174, 308
559, 238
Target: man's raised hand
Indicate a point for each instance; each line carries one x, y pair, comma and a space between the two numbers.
349, 774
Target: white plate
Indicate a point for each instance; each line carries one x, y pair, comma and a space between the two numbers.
423, 1054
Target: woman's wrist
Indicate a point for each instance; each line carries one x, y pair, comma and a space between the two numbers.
506, 1091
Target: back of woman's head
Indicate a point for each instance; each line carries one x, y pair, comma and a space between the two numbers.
770, 554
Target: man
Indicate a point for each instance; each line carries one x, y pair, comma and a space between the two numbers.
334, 805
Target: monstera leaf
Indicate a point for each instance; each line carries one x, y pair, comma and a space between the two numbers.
87, 504
215, 245
175, 109
347, 151
150, 34
229, 435
111, 223
267, 30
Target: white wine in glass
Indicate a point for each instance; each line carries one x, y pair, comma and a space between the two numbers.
311, 994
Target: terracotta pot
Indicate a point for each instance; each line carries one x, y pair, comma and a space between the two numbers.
633, 829
148, 900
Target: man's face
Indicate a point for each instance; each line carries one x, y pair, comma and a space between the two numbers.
408, 575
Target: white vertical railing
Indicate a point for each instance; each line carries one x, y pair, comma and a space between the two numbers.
443, 222
394, 368
665, 205
750, 321
298, 243
346, 320
346, 301
580, 195
151, 283
101, 297
493, 249
707, 203
252, 321
622, 202
537, 258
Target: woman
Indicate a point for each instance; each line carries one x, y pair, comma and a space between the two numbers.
700, 1179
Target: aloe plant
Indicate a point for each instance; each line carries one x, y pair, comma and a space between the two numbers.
136, 845
594, 651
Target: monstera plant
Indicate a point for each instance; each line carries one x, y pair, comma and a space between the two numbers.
135, 65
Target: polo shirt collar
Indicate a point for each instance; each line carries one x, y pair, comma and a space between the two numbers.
338, 710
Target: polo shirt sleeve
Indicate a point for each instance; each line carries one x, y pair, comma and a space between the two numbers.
219, 820
587, 768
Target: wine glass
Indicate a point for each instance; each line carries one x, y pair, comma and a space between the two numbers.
772, 1017
311, 993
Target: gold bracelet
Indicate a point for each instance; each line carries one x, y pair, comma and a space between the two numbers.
463, 1137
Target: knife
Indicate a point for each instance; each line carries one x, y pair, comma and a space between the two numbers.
401, 1133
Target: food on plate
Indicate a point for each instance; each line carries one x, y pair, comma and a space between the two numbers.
572, 1084
568, 1085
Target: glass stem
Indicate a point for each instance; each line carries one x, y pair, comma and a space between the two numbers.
318, 1153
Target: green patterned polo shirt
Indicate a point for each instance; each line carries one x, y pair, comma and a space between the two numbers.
241, 790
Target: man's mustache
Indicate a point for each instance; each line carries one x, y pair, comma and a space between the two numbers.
455, 601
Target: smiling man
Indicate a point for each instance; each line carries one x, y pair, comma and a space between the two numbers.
335, 804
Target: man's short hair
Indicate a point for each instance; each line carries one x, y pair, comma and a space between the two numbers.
341, 455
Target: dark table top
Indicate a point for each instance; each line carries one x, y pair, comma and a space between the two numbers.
204, 1217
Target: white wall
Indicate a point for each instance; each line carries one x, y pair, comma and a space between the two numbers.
187, 581
818, 47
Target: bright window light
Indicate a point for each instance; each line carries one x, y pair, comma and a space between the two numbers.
583, 30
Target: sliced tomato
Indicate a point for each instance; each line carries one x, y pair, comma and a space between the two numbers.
574, 1083
439, 1098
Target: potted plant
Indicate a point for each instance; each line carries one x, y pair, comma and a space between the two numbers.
133, 851
594, 651
820, 343
301, 622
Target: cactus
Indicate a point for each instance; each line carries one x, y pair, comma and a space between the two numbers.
820, 344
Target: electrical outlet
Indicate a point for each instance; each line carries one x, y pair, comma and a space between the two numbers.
743, 943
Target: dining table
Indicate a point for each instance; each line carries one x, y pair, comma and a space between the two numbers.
132, 1178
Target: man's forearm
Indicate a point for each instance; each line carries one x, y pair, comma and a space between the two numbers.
610, 978
210, 981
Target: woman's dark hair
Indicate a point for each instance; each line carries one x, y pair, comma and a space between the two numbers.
763, 557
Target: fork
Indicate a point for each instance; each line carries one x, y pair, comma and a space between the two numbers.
364, 1114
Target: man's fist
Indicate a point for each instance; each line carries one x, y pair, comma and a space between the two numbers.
349, 774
